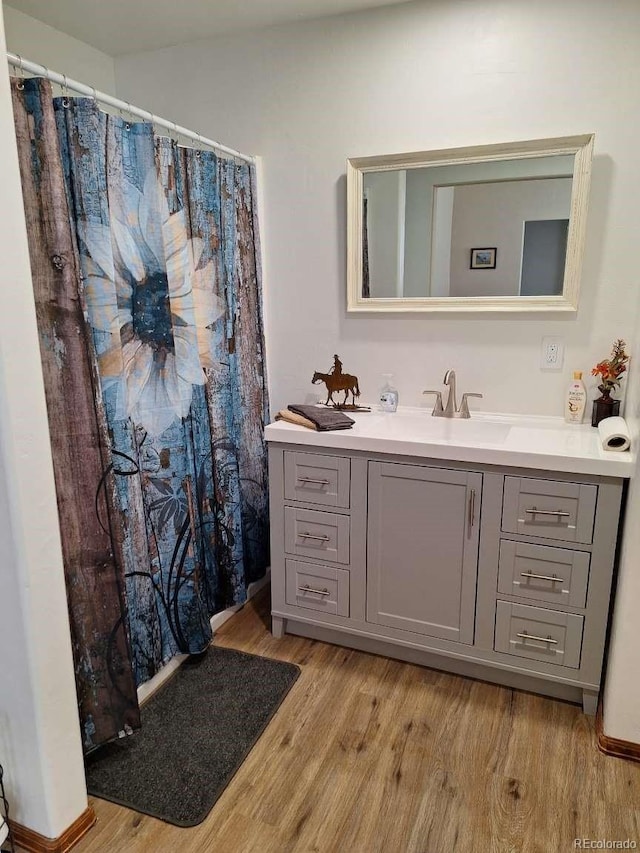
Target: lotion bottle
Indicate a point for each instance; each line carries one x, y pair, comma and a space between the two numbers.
576, 400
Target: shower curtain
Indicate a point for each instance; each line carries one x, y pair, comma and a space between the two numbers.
145, 265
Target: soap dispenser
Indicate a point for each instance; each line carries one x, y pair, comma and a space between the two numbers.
388, 394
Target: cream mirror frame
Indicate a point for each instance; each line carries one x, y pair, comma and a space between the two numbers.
581, 147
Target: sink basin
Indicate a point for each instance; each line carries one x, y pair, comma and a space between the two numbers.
421, 426
468, 431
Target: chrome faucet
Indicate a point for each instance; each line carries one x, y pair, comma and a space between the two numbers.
451, 409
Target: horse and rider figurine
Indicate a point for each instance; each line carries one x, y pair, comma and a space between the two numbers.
337, 381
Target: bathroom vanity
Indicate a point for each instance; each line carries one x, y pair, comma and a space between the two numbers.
483, 547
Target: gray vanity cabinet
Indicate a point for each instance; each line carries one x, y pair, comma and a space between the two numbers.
422, 549
494, 572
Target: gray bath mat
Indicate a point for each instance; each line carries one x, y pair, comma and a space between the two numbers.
196, 732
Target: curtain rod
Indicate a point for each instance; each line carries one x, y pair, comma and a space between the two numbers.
67, 83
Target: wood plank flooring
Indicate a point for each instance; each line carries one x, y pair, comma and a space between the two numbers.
370, 755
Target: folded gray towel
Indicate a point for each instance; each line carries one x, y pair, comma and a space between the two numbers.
324, 419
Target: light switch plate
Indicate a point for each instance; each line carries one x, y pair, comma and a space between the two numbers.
552, 353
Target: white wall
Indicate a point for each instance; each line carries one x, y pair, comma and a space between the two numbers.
622, 689
414, 77
43, 44
440, 261
417, 250
493, 215
382, 227
40, 745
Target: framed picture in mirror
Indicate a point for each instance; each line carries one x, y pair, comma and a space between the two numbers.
483, 259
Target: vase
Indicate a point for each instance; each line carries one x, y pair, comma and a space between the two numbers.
604, 407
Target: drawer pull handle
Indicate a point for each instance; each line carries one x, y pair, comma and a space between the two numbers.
525, 636
314, 482
471, 517
314, 536
558, 513
307, 588
554, 579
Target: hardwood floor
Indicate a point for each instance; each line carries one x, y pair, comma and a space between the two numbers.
369, 755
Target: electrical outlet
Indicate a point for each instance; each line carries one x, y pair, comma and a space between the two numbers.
552, 353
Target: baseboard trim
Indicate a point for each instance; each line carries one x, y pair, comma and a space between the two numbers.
613, 745
27, 839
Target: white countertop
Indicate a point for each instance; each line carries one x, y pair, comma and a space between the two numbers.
525, 441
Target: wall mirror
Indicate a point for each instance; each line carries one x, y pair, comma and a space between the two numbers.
488, 228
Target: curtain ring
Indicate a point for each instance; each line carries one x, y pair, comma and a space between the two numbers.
20, 80
199, 150
127, 125
65, 93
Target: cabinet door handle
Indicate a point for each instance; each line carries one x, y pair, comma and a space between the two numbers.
471, 511
558, 513
526, 636
314, 536
307, 588
554, 579
314, 482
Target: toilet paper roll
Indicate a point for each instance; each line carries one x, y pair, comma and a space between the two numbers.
614, 434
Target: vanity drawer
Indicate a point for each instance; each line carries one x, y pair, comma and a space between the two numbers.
318, 479
543, 572
550, 509
317, 587
309, 533
539, 634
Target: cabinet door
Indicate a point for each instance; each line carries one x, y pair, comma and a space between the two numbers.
422, 551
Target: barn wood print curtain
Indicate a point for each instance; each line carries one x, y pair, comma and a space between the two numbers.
147, 287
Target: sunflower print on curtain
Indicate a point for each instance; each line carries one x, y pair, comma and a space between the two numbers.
166, 246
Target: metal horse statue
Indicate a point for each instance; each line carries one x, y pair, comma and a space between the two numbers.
338, 381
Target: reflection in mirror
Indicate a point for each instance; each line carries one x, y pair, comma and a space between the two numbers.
421, 226
496, 227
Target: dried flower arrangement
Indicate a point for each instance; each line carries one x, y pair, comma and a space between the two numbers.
610, 370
